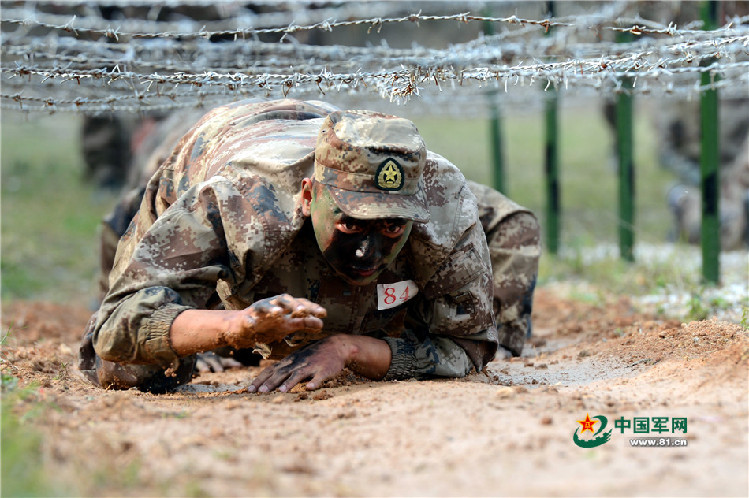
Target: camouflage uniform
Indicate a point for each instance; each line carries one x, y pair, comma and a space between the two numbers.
220, 225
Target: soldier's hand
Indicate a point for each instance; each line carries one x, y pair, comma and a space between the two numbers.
272, 319
319, 361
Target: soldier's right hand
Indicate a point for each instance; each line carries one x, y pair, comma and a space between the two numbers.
272, 319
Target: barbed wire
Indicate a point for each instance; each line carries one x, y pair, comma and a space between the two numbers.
548, 46
59, 71
650, 63
168, 3
326, 25
232, 15
144, 29
482, 48
462, 103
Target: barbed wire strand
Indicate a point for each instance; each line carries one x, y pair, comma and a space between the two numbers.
670, 64
329, 25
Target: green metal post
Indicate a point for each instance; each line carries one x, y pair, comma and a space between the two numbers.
625, 147
551, 164
495, 131
710, 165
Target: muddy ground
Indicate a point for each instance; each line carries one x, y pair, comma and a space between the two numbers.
508, 431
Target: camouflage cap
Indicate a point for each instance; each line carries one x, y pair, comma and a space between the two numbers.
372, 165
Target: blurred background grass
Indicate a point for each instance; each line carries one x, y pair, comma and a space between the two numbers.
588, 172
50, 214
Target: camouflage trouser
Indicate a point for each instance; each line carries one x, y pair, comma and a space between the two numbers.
514, 239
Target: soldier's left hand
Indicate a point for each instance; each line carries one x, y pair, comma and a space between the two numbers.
319, 361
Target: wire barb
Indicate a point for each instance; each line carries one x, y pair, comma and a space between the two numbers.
142, 64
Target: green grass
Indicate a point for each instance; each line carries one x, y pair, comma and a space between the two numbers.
616, 276
589, 182
28, 469
50, 216
23, 470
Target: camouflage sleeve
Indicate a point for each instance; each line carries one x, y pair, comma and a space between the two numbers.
113, 226
450, 330
175, 265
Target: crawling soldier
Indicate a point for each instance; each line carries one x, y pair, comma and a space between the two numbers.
327, 239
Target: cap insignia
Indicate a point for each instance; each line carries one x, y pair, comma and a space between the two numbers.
390, 175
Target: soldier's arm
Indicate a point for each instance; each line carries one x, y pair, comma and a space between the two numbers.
267, 320
174, 268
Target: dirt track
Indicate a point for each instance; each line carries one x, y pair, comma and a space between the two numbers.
508, 431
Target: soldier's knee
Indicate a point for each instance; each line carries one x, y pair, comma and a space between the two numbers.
523, 232
519, 230
532, 228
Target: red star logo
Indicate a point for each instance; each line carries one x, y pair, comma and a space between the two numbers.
587, 424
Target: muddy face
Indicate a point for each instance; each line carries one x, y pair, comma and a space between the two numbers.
358, 250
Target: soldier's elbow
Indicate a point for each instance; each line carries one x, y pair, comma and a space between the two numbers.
109, 349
